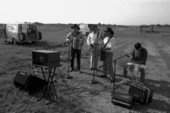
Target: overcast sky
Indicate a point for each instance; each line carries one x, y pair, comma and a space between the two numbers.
124, 12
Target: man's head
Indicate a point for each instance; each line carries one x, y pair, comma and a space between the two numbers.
109, 32
94, 28
137, 46
75, 28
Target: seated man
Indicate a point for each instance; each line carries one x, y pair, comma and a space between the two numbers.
138, 56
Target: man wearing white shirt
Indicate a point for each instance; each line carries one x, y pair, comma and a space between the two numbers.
108, 48
92, 42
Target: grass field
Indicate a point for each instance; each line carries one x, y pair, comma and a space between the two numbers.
77, 95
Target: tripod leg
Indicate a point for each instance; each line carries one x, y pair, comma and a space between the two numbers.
68, 71
62, 78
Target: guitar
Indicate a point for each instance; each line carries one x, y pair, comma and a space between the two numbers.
99, 37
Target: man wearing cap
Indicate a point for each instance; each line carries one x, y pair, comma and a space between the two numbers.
108, 49
92, 42
138, 57
76, 40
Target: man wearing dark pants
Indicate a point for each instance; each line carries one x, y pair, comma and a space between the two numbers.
78, 55
76, 40
139, 57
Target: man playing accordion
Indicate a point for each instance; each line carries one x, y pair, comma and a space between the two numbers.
76, 40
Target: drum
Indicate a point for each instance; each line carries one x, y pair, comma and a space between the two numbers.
130, 67
133, 69
77, 43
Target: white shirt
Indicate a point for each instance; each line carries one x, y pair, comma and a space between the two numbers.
110, 44
92, 38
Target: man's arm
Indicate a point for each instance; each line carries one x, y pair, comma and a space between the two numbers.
88, 40
68, 37
83, 39
133, 56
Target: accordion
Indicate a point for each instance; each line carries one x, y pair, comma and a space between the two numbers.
77, 43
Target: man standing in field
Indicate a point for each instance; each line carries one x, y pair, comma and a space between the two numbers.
108, 49
76, 40
92, 42
138, 57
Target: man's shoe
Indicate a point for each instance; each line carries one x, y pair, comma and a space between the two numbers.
111, 80
102, 76
79, 71
71, 69
91, 68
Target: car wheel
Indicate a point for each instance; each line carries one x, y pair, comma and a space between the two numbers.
40, 35
22, 36
3, 37
34, 42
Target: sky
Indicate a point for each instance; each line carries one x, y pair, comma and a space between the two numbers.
119, 12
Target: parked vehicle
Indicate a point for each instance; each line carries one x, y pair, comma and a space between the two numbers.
21, 33
84, 29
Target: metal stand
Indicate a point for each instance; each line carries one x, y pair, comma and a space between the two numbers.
68, 72
114, 74
94, 68
50, 82
93, 80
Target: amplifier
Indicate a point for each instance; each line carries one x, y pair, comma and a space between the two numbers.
47, 58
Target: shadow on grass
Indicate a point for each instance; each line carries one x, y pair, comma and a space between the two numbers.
155, 106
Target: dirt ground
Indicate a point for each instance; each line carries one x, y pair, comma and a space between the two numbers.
78, 95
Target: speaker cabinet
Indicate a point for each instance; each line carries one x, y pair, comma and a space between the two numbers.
35, 84
20, 80
29, 83
46, 58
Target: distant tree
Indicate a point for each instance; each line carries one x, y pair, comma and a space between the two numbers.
99, 24
166, 25
38, 23
158, 25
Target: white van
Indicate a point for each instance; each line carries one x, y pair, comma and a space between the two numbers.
21, 33
84, 29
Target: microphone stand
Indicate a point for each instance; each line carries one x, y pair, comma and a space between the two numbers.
114, 74
94, 70
68, 71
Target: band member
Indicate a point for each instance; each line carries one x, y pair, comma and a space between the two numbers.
108, 49
76, 40
92, 42
138, 56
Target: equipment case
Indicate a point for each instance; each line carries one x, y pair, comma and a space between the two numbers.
142, 93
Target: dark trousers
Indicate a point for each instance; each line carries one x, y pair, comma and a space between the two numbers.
78, 55
107, 64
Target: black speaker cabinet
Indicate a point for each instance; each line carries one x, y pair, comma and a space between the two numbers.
20, 79
29, 83
46, 58
35, 84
